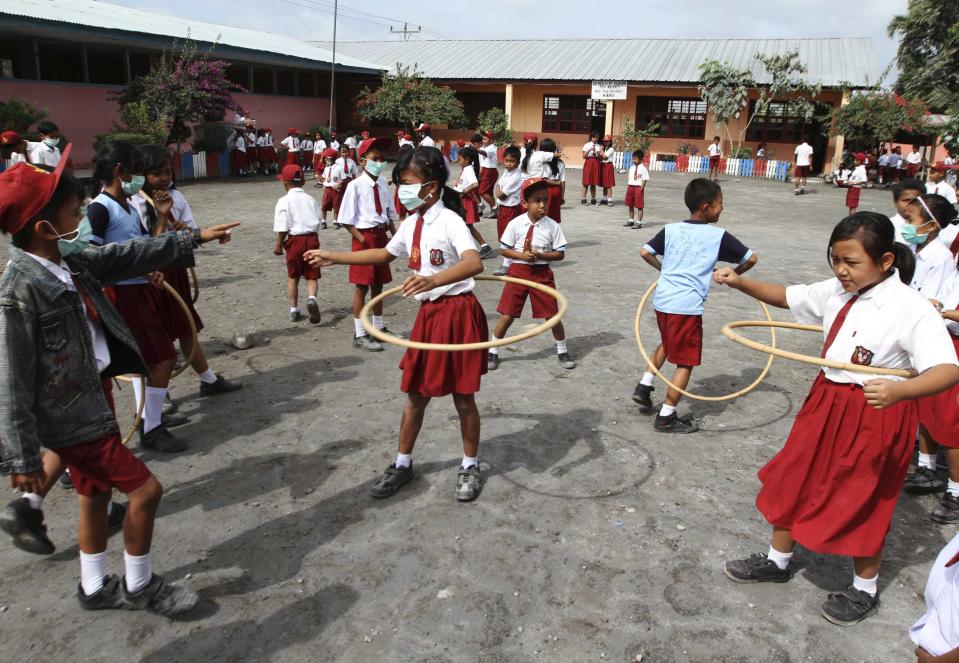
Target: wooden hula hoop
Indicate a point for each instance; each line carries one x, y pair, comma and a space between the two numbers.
195, 290
697, 397
795, 356
189, 316
139, 415
451, 347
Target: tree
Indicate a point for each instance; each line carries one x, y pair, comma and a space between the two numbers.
19, 115
928, 53
726, 91
406, 97
497, 121
634, 138
875, 116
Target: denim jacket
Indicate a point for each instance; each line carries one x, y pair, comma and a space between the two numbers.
51, 394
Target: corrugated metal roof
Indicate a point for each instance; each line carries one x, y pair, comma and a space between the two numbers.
103, 15
831, 61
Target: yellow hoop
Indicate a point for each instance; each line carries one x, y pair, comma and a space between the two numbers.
195, 290
773, 351
139, 415
451, 347
189, 316
712, 399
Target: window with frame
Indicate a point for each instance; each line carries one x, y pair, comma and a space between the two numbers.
61, 62
139, 64
677, 117
262, 80
106, 66
16, 57
239, 73
306, 84
285, 82
572, 113
781, 123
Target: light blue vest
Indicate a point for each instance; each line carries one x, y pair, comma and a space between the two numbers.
124, 225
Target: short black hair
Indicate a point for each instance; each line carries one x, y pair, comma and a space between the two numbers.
111, 154
938, 206
908, 184
699, 192
477, 138
640, 154
512, 151
68, 189
46, 127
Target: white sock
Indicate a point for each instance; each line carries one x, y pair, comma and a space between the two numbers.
294, 309
36, 501
667, 410
468, 462
138, 571
138, 394
208, 376
647, 380
870, 586
378, 322
153, 410
781, 558
93, 568
952, 489
311, 297
560, 347
493, 337
358, 327
403, 460
927, 460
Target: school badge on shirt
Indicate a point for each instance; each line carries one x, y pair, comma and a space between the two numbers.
436, 257
862, 357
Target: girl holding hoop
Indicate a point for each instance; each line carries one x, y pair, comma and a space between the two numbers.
444, 260
834, 485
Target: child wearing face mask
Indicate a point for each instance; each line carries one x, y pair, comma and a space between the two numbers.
47, 151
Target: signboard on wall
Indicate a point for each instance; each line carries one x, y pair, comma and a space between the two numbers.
608, 90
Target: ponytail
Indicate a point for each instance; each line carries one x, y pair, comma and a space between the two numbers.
530, 147
470, 153
905, 262
549, 145
453, 201
106, 159
428, 162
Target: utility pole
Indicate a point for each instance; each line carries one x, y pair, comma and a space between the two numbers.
329, 127
406, 32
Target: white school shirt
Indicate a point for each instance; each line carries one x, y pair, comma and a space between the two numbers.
358, 208
547, 236
292, 142
240, 143
261, 141
937, 631
351, 142
638, 175
335, 144
319, 146
890, 325
181, 210
101, 351
427, 142
560, 172
333, 175
934, 267
509, 182
487, 161
715, 150
306, 145
348, 167
41, 155
949, 298
466, 178
942, 189
914, 157
804, 154
610, 153
15, 158
858, 177
405, 142
250, 140
443, 241
269, 139
897, 223
591, 148
296, 213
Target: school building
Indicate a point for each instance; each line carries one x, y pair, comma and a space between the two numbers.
71, 56
546, 86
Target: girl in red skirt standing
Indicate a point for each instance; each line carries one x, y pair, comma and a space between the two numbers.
834, 485
238, 158
607, 171
444, 260
467, 186
292, 144
856, 182
591, 170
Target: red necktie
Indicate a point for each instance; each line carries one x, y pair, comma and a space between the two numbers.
415, 262
528, 242
954, 247
92, 312
837, 324
376, 198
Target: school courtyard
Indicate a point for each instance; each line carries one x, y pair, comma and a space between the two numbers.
595, 538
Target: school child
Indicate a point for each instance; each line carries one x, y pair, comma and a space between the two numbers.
292, 143
507, 193
715, 151
13, 149
684, 253
367, 212
607, 171
856, 182
319, 147
423, 130
306, 152
47, 151
238, 154
636, 190
489, 173
883, 166
936, 634
531, 161
553, 170
592, 177
531, 241
406, 139
334, 143
334, 180
803, 154
347, 164
444, 257
56, 384
262, 152
466, 186
903, 193
530, 142
351, 143
401, 210
834, 485
937, 185
296, 220
272, 157
252, 154
897, 164
913, 161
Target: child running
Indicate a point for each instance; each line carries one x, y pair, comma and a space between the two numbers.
636, 190
689, 250
296, 220
467, 185
834, 485
444, 259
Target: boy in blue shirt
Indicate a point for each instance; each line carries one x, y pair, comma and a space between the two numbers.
685, 254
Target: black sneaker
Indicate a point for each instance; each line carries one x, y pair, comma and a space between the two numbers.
673, 424
757, 568
116, 515
314, 310
849, 606
628, 224
162, 440
390, 482
566, 360
220, 386
161, 597
173, 420
65, 481
386, 330
337, 225
492, 361
584, 202
295, 316
592, 202
923, 481
468, 484
643, 396
108, 597
323, 226
947, 511
25, 525
366, 343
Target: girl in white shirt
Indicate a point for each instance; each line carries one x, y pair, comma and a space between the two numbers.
834, 485
292, 143
607, 170
554, 172
856, 182
592, 176
444, 260
507, 194
238, 154
467, 185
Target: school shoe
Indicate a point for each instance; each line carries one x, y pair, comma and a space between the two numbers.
923, 481
643, 396
366, 343
323, 226
389, 332
65, 481
173, 420
219, 386
566, 360
796, 193
108, 597
486, 252
160, 597
583, 202
492, 361
757, 568
849, 606
492, 214
637, 226
296, 316
162, 440
116, 516
468, 484
337, 224
314, 310
947, 511
592, 202
391, 480
25, 525
628, 224
673, 424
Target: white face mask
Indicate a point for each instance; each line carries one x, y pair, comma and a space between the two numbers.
409, 195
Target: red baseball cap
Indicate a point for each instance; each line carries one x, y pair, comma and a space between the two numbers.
407, 137
531, 183
490, 134
461, 142
528, 136
373, 144
25, 190
939, 166
291, 130
330, 152
365, 134
423, 125
10, 138
291, 173
860, 156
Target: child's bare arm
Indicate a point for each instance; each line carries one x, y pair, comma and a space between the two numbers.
324, 258
770, 293
512, 254
471, 187
551, 256
278, 248
651, 259
749, 264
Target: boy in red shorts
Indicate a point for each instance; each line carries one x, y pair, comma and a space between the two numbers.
62, 342
685, 254
532, 241
296, 220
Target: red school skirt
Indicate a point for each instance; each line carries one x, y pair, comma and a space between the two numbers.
608, 174
143, 307
836, 481
505, 214
939, 413
177, 322
555, 203
294, 247
373, 238
591, 174
451, 319
635, 196
487, 180
470, 208
514, 296
238, 160
292, 158
852, 197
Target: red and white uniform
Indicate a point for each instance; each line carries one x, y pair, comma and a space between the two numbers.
522, 235
510, 182
298, 215
467, 179
637, 177
591, 169
368, 207
856, 182
292, 144
334, 185
488, 171
937, 631
940, 413
607, 169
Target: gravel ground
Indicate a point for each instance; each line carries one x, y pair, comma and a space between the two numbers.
594, 539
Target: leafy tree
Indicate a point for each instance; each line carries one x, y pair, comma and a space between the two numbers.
497, 121
634, 138
928, 53
405, 97
19, 115
875, 116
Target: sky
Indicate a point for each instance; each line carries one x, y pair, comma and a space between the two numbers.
504, 19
